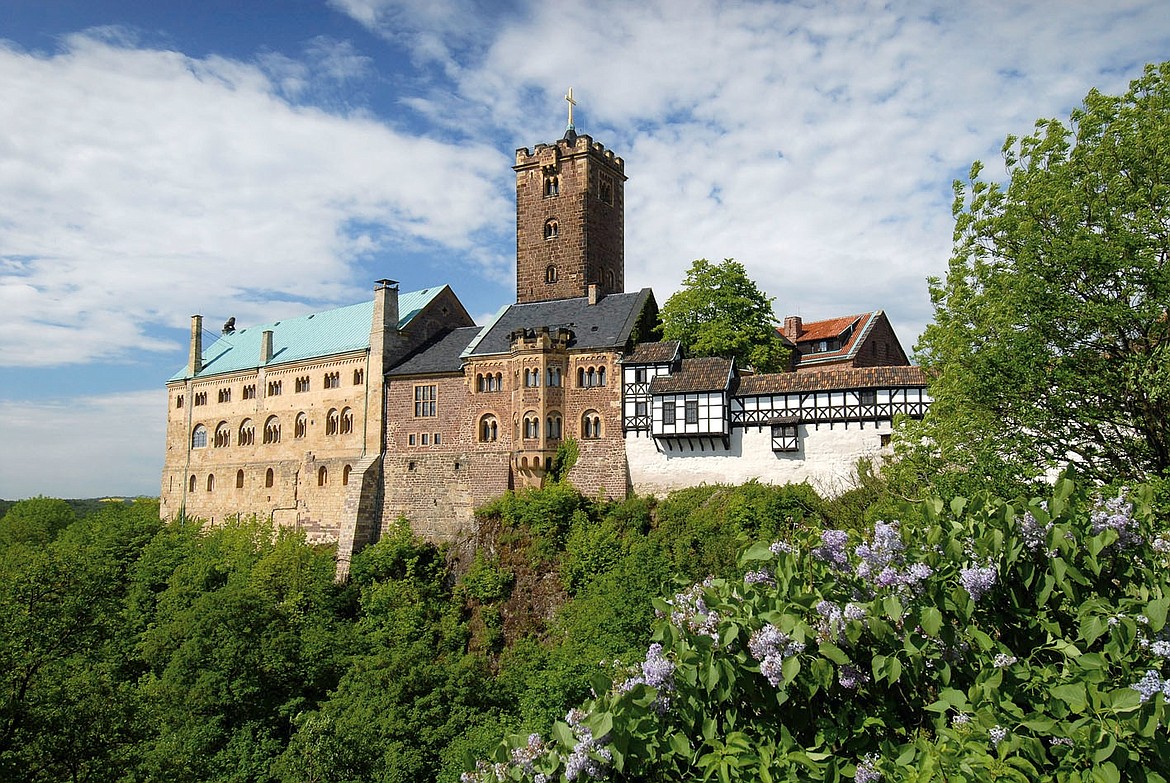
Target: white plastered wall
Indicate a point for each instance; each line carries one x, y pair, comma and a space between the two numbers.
826, 459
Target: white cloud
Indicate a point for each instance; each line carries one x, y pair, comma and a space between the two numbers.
137, 184
82, 447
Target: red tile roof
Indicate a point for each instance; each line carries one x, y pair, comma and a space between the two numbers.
705, 373
829, 328
831, 379
653, 353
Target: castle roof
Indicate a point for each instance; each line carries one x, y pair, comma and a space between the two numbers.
703, 373
830, 379
604, 325
663, 352
327, 333
852, 330
444, 354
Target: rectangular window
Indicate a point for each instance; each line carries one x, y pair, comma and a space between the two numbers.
640, 408
640, 374
437, 440
691, 408
668, 415
867, 396
785, 437
426, 439
424, 400
410, 439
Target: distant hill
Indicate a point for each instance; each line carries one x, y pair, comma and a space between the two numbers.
81, 506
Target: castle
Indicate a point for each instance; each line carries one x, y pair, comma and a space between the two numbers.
339, 422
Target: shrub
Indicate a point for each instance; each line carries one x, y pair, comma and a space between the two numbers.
971, 640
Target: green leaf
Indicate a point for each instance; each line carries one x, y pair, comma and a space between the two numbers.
833, 653
1156, 612
892, 608
931, 620
681, 745
1072, 694
756, 552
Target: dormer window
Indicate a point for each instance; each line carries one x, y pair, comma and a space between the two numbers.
551, 229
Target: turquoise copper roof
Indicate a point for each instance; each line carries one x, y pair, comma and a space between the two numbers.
328, 333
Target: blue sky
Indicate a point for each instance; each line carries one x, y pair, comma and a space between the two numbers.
267, 158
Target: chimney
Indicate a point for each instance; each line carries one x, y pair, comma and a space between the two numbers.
594, 295
792, 326
386, 305
266, 347
195, 360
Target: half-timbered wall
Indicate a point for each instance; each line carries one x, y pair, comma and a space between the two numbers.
636, 399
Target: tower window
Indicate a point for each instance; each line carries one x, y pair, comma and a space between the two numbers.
552, 185
551, 229
550, 272
605, 188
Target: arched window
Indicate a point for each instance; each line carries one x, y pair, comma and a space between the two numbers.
550, 273
551, 229
199, 437
553, 427
531, 425
239, 479
332, 422
345, 475
480, 386
591, 425
247, 433
210, 482
301, 426
581, 377
272, 430
531, 376
322, 476
223, 435
600, 376
609, 281
191, 484
269, 477
489, 428
552, 185
499, 382
346, 421
554, 376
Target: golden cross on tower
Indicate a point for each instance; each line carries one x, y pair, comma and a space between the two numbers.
572, 103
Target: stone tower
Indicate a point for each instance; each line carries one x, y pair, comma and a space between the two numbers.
570, 220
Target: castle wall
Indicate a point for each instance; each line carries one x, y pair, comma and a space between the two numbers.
826, 459
228, 476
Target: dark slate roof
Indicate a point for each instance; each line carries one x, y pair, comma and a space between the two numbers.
440, 355
653, 353
605, 325
704, 373
830, 379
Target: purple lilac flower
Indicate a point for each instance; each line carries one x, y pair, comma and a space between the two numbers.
760, 577
1151, 685
1160, 648
1003, 660
867, 771
589, 756
851, 677
1161, 545
690, 613
525, 757
771, 646
781, 547
832, 623
854, 611
1034, 534
657, 671
832, 549
997, 734
961, 719
1116, 514
1054, 741
882, 552
978, 580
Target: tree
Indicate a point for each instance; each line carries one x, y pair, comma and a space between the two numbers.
1051, 338
721, 312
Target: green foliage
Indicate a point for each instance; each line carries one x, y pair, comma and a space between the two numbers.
719, 311
34, 522
1051, 338
975, 639
566, 457
485, 580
